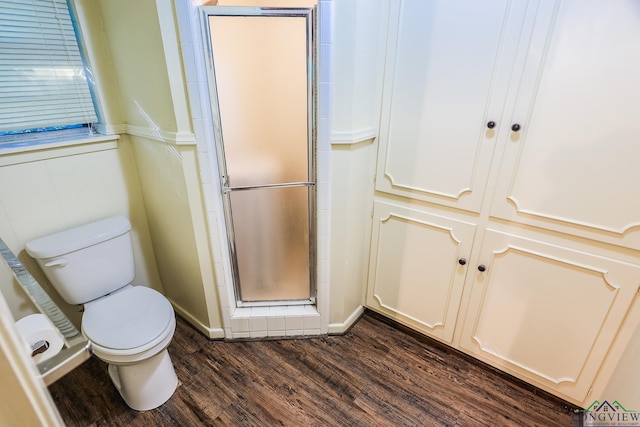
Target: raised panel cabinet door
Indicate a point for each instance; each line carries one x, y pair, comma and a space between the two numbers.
417, 268
573, 165
447, 71
546, 313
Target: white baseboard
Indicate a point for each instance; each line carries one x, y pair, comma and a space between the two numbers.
213, 333
341, 328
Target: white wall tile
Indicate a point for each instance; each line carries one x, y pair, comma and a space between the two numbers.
295, 310
326, 62
309, 310
198, 128
259, 311
275, 323
258, 334
326, 22
194, 104
240, 324
241, 335
323, 222
293, 323
324, 137
323, 271
257, 323
324, 107
189, 63
323, 247
323, 197
311, 323
204, 170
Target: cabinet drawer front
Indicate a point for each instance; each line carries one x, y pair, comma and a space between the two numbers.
445, 79
415, 276
546, 313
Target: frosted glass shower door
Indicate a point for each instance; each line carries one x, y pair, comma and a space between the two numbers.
271, 230
261, 75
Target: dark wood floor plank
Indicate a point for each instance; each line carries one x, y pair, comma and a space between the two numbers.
378, 374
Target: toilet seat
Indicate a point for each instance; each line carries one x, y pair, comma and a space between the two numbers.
128, 322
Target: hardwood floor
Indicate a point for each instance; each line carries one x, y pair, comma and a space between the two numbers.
377, 374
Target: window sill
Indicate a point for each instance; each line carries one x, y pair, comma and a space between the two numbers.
61, 148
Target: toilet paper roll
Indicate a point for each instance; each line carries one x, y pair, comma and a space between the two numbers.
36, 330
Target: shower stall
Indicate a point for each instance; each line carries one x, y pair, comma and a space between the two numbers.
261, 66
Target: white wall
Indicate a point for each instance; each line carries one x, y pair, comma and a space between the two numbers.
142, 38
136, 62
134, 41
166, 196
358, 55
153, 177
48, 190
360, 31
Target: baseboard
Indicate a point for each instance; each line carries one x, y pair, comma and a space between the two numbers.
343, 328
212, 333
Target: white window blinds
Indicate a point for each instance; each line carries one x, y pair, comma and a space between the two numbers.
42, 79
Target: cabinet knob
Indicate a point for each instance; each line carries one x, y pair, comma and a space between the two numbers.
515, 127
482, 268
462, 261
491, 125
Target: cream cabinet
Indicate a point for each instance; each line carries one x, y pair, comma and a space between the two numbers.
418, 267
507, 216
448, 74
545, 312
573, 166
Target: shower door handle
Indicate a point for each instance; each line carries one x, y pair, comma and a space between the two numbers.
259, 186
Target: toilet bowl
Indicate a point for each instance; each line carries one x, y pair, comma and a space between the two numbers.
131, 330
129, 327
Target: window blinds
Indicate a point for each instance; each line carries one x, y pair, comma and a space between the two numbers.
42, 79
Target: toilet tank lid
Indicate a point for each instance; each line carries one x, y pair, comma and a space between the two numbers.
66, 241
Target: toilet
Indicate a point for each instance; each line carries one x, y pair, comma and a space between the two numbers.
129, 327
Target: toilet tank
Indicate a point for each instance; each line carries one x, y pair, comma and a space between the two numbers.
89, 261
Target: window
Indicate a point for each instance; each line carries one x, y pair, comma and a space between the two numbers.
43, 85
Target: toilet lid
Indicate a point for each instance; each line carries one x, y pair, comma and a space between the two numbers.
127, 319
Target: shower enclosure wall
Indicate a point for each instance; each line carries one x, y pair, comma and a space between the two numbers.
261, 65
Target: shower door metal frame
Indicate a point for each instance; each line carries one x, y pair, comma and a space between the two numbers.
310, 15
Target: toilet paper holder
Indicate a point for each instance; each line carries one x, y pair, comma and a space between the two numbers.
76, 349
39, 347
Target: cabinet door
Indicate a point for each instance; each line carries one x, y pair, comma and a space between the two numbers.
448, 68
573, 166
415, 274
546, 313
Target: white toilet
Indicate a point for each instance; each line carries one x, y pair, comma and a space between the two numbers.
129, 326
